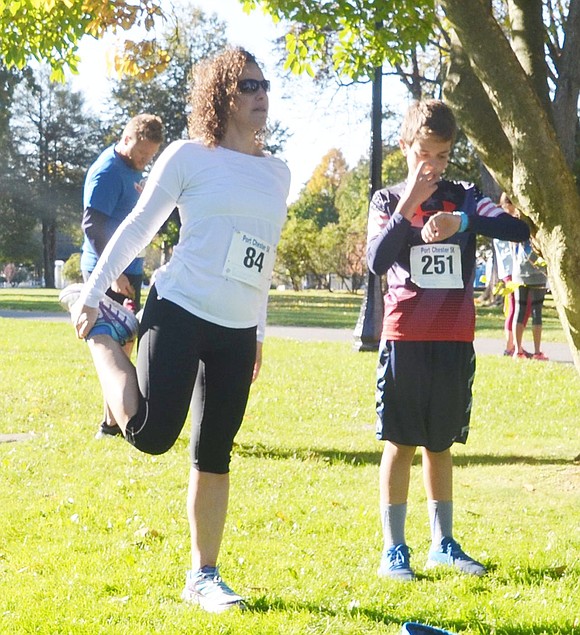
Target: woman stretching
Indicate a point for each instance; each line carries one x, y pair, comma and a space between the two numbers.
208, 305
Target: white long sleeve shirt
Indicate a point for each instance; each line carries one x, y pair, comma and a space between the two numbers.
232, 208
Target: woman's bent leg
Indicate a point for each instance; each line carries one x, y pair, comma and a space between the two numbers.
167, 364
117, 377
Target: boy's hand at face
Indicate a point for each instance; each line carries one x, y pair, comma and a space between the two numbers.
424, 182
440, 226
420, 186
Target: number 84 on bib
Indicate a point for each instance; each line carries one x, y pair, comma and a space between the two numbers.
250, 260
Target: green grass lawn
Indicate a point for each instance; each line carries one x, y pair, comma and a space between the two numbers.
307, 308
94, 538
37, 299
314, 308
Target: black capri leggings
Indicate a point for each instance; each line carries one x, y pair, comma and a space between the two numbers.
537, 295
172, 343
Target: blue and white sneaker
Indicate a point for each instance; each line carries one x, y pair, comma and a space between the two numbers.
395, 564
206, 588
113, 319
450, 553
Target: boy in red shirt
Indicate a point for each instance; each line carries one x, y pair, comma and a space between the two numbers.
422, 234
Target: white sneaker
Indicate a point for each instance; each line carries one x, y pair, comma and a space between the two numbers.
69, 295
206, 588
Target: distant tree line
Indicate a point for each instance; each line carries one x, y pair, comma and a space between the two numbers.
50, 136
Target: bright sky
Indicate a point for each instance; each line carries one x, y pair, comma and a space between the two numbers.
317, 122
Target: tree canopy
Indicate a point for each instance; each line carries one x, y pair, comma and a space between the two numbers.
188, 35
513, 79
50, 30
357, 36
512, 76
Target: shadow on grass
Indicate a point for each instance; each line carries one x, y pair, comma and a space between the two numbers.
266, 605
307, 454
332, 457
507, 459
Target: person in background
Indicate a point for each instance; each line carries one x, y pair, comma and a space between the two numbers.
504, 259
531, 280
422, 234
208, 303
112, 187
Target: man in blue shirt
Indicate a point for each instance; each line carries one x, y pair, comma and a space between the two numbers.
112, 187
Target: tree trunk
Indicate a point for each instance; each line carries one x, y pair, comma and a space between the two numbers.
464, 93
527, 30
49, 251
565, 106
533, 169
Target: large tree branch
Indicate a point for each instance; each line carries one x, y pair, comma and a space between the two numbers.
527, 34
464, 93
566, 100
537, 158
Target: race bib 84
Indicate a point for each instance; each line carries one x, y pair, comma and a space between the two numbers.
249, 260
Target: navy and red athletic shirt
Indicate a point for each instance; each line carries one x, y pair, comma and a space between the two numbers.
415, 314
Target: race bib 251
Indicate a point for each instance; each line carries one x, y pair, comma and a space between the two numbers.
436, 266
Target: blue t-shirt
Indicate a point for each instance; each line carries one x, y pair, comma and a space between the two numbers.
111, 187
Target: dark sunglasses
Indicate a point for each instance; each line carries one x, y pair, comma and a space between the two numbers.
249, 86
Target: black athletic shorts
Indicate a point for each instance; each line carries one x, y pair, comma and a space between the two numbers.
423, 395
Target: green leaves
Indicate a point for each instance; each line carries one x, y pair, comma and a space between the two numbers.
50, 30
351, 37
299, 46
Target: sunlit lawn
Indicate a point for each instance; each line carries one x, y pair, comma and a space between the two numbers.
94, 538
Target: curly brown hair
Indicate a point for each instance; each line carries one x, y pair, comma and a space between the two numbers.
214, 88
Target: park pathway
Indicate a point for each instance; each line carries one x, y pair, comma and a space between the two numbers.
556, 351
